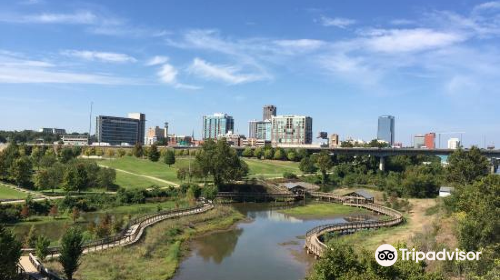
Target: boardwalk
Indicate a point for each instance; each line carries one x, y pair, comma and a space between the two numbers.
315, 246
131, 234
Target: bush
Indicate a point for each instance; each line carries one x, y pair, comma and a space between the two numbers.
289, 175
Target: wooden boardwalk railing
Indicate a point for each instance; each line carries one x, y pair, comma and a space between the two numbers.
129, 235
313, 244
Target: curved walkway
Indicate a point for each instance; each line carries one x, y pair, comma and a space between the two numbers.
315, 246
130, 235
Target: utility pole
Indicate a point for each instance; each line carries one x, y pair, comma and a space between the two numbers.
90, 118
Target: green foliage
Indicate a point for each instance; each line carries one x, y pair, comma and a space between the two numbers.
289, 175
169, 158
422, 181
466, 167
42, 247
221, 162
209, 192
291, 155
20, 171
268, 153
138, 151
307, 166
194, 191
42, 180
153, 154
247, 152
10, 252
279, 154
258, 153
324, 163
71, 251
106, 178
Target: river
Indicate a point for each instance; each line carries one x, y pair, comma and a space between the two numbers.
269, 245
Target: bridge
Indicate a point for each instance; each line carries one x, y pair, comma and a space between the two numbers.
314, 244
32, 269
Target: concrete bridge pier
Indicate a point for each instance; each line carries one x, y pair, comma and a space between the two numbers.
493, 166
381, 165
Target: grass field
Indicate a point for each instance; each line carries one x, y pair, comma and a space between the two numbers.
271, 168
144, 167
321, 210
8, 193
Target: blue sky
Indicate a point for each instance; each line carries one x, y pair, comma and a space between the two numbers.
435, 65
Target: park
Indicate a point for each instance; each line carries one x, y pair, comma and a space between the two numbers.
157, 213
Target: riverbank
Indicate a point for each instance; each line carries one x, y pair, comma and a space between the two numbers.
322, 210
158, 255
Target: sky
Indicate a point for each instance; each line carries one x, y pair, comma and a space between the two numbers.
434, 65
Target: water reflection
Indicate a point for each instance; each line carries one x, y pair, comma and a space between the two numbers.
217, 246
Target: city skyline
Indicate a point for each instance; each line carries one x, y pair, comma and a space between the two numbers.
431, 65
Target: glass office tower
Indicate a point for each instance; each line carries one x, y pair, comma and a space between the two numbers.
386, 129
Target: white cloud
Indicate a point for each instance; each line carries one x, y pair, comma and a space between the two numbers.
411, 40
168, 74
493, 5
402, 22
80, 17
337, 22
225, 73
157, 60
101, 56
299, 46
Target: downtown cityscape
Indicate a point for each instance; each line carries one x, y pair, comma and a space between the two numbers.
249, 140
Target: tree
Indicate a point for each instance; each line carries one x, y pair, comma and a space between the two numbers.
154, 154
279, 154
247, 152
36, 156
291, 155
258, 152
121, 152
66, 155
137, 151
20, 171
209, 192
268, 153
106, 178
169, 158
30, 238
324, 163
10, 253
48, 160
75, 178
54, 211
104, 227
466, 167
71, 251
42, 180
75, 214
182, 173
307, 166
221, 162
42, 247
110, 153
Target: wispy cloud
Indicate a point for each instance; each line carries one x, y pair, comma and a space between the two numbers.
224, 73
337, 22
80, 17
99, 56
157, 60
168, 74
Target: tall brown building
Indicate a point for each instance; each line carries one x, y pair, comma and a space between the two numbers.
430, 140
268, 112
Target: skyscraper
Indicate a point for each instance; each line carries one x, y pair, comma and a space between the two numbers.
216, 125
268, 112
430, 140
119, 130
291, 130
386, 129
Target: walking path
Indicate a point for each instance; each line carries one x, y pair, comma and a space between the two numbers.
131, 235
144, 176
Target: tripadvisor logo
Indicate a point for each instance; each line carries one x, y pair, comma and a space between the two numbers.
387, 255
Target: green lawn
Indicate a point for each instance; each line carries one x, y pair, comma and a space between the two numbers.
258, 168
8, 193
321, 210
271, 168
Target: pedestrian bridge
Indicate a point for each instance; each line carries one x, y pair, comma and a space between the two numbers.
314, 244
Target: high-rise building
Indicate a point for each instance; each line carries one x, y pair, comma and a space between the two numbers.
386, 129
142, 125
418, 141
334, 141
430, 140
269, 111
264, 130
120, 130
453, 143
217, 124
291, 130
252, 129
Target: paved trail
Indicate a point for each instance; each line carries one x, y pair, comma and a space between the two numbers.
144, 176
